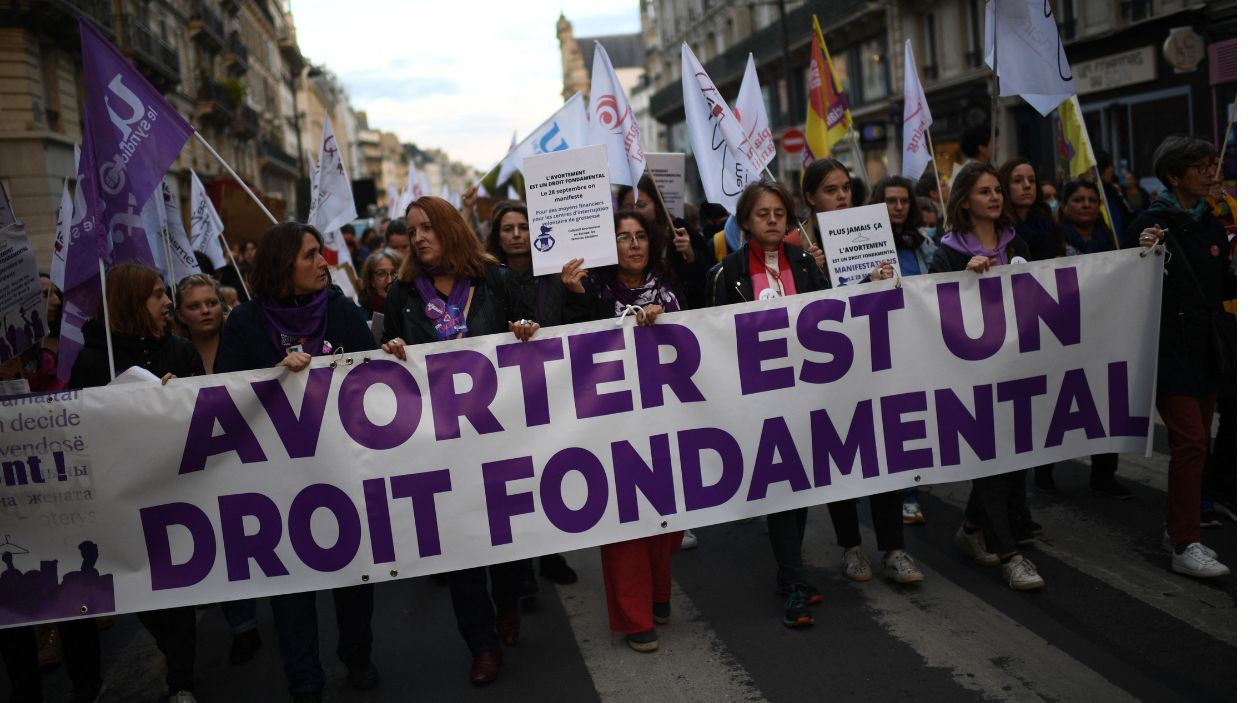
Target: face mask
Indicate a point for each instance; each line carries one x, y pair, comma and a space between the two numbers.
1054, 205
929, 232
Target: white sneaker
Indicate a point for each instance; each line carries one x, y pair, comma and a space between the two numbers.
688, 540
1195, 561
901, 568
974, 546
1171, 548
1021, 574
855, 564
182, 697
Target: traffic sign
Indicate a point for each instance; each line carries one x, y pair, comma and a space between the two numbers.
792, 140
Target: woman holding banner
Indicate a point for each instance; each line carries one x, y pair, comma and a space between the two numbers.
684, 249
979, 237
509, 241
1197, 352
295, 314
636, 573
139, 312
450, 288
768, 267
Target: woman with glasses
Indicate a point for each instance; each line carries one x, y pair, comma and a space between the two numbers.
376, 276
1196, 355
636, 572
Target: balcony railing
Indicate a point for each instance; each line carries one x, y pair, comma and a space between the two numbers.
156, 59
246, 122
58, 19
214, 105
1136, 10
276, 155
206, 27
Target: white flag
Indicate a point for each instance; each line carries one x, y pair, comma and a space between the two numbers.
715, 136
1032, 63
613, 123
414, 189
426, 188
64, 215
445, 193
206, 225
566, 129
916, 119
512, 194
394, 209
333, 205
180, 252
752, 115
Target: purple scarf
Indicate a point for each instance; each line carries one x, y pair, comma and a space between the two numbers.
448, 317
651, 292
302, 326
966, 243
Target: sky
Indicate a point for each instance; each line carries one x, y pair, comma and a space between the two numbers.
458, 75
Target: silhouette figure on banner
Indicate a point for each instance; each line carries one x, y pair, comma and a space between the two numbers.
35, 595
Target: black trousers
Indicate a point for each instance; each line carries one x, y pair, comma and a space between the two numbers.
887, 520
994, 502
295, 617
80, 646
475, 595
174, 632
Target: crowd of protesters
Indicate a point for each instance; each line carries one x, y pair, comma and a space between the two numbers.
436, 275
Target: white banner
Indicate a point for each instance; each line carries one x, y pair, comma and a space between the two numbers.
855, 241
486, 450
569, 198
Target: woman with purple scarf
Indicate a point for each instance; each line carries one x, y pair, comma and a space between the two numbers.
637, 572
450, 288
981, 237
295, 314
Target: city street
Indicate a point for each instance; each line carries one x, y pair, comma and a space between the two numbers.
1112, 624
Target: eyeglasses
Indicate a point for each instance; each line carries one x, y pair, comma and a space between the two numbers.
1206, 167
631, 238
389, 275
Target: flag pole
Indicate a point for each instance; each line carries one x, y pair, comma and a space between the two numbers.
1093, 170
236, 177
937, 177
1228, 131
997, 88
169, 265
108, 328
671, 227
802, 230
237, 272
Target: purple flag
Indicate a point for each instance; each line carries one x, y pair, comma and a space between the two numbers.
131, 136
136, 135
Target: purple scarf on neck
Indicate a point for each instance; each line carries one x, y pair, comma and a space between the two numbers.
447, 317
301, 325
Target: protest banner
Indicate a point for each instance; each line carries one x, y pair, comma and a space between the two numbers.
569, 197
22, 310
485, 450
856, 241
669, 173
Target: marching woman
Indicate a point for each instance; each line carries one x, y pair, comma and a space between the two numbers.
1196, 350
379, 271
828, 186
450, 288
980, 237
509, 242
915, 254
636, 572
684, 250
767, 267
139, 316
294, 315
200, 315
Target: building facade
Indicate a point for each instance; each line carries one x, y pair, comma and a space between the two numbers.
1131, 58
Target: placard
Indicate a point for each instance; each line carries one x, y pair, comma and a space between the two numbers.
22, 309
856, 241
669, 173
570, 207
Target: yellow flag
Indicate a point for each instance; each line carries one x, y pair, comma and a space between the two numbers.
1076, 152
828, 115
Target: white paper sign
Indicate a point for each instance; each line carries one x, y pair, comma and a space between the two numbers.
570, 205
22, 309
669, 172
856, 241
